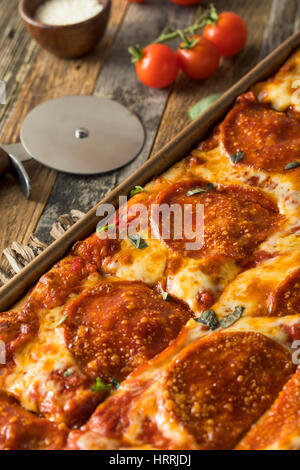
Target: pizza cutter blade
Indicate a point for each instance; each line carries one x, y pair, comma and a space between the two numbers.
81, 135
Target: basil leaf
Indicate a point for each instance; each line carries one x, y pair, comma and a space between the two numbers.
233, 317
138, 241
236, 157
209, 318
136, 190
191, 192
69, 372
62, 321
105, 228
165, 295
115, 383
292, 165
202, 105
100, 385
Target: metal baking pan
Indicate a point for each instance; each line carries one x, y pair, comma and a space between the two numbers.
178, 148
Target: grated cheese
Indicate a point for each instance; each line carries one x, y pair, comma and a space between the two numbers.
63, 12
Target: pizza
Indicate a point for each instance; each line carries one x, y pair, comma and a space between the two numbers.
154, 333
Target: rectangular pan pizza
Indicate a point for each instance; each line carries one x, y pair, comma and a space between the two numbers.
155, 341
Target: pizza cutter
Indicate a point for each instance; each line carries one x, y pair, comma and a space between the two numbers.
82, 135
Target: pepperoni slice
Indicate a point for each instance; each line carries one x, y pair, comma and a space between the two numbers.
286, 299
269, 139
222, 383
117, 325
236, 219
21, 430
16, 329
63, 279
280, 427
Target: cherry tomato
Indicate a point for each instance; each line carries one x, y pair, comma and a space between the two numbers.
201, 61
186, 2
229, 33
158, 66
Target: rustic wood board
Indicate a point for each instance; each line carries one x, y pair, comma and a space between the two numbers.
50, 77
17, 55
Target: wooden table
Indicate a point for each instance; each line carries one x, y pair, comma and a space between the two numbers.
33, 76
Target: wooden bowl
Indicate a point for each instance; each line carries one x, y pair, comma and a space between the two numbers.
67, 41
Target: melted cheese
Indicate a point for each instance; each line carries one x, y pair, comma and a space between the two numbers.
147, 265
283, 90
252, 287
29, 381
190, 280
284, 188
37, 360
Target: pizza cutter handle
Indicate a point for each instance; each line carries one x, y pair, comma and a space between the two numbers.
10, 163
5, 163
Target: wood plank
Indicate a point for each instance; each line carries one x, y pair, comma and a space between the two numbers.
18, 54
50, 78
284, 21
118, 81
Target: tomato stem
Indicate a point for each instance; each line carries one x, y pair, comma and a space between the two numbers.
212, 16
136, 53
204, 17
188, 42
